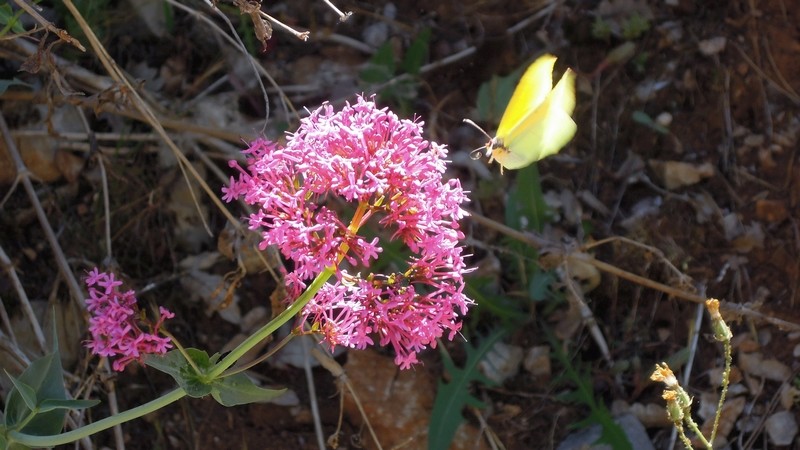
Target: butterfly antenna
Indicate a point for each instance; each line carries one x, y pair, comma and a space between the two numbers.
478, 127
476, 154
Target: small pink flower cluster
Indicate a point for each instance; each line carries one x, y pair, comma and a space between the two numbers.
114, 325
366, 160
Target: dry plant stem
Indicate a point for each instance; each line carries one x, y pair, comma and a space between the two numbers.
491, 437
342, 15
85, 79
765, 413
109, 382
25, 176
113, 405
312, 394
62, 34
302, 35
348, 42
27, 310
139, 104
524, 23
538, 242
171, 124
243, 49
338, 372
586, 314
684, 279
463, 54
791, 96
694, 340
727, 116
785, 84
106, 206
14, 351
4, 313
287, 104
694, 335
76, 136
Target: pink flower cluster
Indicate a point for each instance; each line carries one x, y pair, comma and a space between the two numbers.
378, 168
114, 324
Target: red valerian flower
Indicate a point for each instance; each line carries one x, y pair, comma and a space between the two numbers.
381, 167
115, 320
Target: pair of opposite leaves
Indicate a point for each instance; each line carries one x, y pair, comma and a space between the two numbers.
537, 120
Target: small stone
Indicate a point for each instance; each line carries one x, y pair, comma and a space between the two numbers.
537, 361
664, 119
712, 46
781, 428
502, 362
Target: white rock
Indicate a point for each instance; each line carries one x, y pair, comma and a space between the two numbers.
781, 428
712, 46
502, 362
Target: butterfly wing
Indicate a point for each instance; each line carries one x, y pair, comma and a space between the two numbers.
542, 132
531, 91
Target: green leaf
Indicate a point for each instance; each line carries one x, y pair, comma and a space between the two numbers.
10, 20
635, 26
642, 118
26, 392
238, 389
539, 287
601, 29
175, 365
381, 66
611, 434
451, 397
494, 95
417, 53
50, 405
507, 309
526, 208
44, 377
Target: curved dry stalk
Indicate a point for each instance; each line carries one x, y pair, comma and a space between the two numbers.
24, 175
338, 372
587, 316
557, 249
777, 86
287, 104
312, 394
27, 309
144, 109
6, 320
684, 279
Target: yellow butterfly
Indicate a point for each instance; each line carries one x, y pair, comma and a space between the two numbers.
537, 120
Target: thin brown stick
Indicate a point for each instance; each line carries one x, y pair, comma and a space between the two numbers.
540, 243
24, 175
62, 34
150, 117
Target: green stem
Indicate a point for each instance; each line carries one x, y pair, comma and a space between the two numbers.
726, 377
96, 427
695, 429
273, 325
685, 439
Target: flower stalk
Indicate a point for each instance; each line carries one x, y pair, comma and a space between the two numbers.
679, 403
